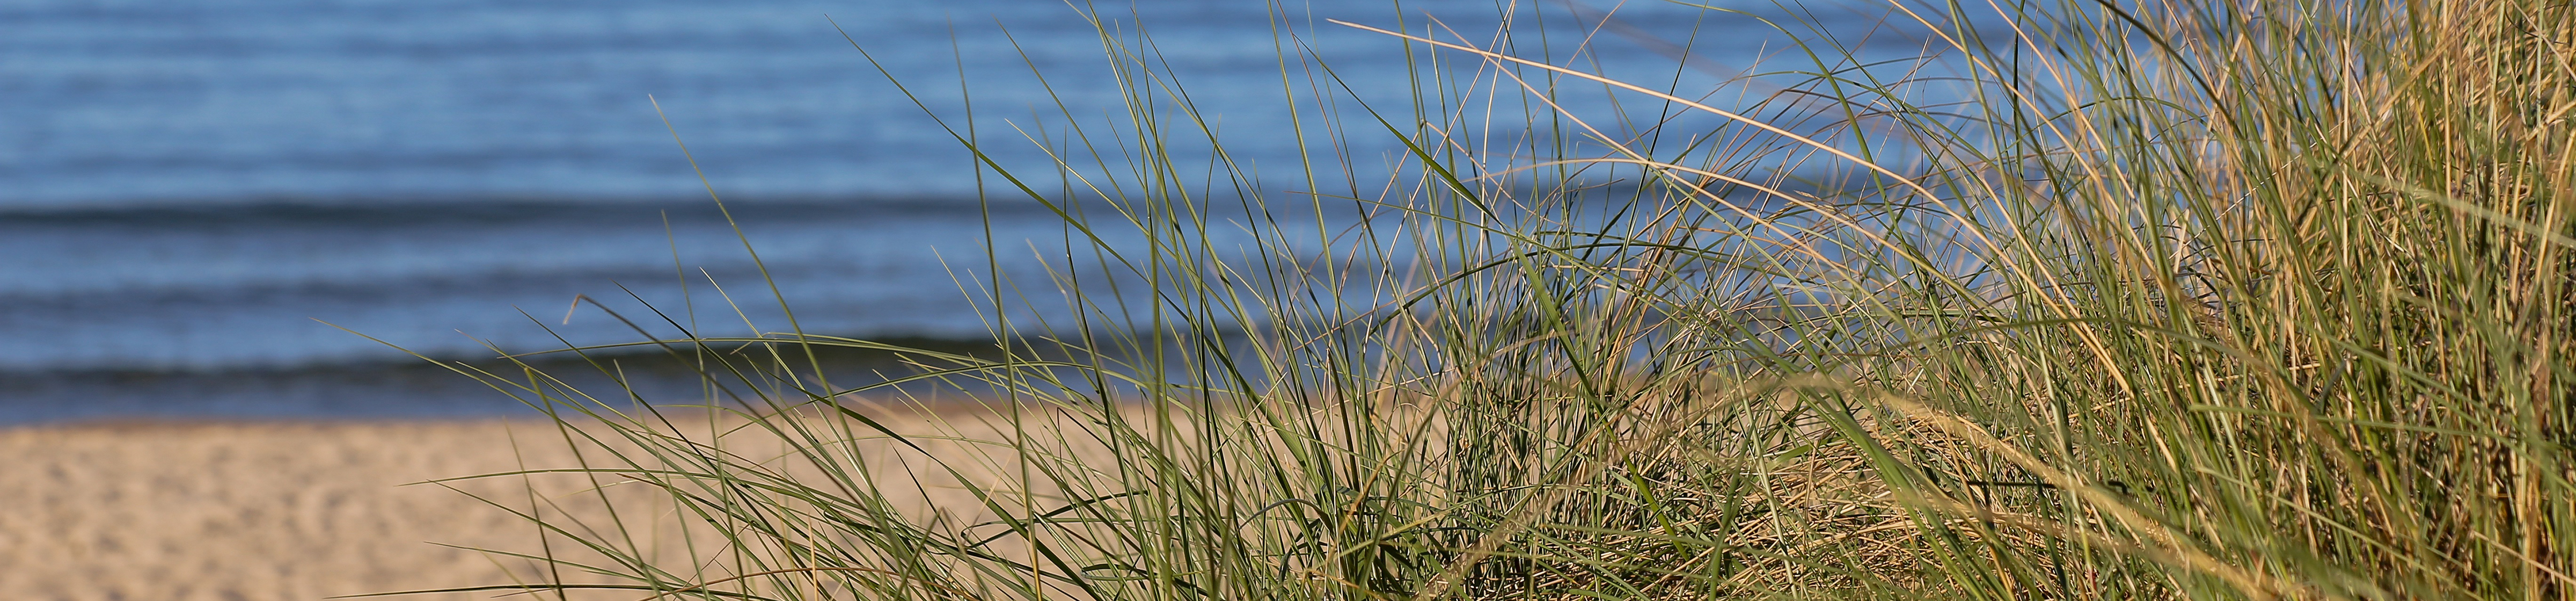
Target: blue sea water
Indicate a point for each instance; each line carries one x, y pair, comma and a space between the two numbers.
205, 203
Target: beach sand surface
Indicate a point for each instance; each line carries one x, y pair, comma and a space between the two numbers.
256, 511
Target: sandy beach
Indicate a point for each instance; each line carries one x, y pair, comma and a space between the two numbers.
285, 511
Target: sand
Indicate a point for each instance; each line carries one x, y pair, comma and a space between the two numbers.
271, 511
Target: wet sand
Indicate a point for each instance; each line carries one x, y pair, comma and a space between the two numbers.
285, 511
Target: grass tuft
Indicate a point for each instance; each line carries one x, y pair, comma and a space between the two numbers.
2069, 300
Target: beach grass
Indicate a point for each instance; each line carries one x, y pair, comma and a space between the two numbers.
2076, 300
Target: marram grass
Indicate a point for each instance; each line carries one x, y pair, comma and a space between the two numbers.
2092, 300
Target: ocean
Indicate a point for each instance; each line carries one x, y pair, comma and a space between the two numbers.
274, 208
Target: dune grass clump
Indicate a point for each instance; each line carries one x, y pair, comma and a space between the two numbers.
2078, 300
